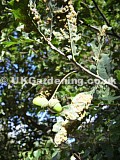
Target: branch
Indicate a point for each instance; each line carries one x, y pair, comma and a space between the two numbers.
115, 34
88, 25
41, 127
51, 45
101, 13
81, 67
73, 61
95, 28
96, 76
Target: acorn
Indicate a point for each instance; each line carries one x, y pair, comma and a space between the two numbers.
40, 101
57, 108
55, 105
53, 102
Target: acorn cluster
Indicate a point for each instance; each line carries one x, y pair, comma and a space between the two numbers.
53, 104
75, 111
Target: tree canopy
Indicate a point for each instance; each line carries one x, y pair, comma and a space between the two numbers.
59, 80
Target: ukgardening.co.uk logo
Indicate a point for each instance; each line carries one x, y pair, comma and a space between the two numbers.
3, 80
51, 80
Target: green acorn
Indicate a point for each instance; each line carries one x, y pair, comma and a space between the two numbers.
55, 105
40, 101
57, 108
53, 102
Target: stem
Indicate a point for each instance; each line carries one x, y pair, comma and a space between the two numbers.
97, 30
71, 41
61, 82
73, 61
81, 67
105, 19
96, 76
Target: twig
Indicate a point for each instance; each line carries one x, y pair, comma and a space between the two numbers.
61, 82
96, 76
95, 28
86, 70
101, 13
88, 25
80, 66
77, 156
115, 34
73, 61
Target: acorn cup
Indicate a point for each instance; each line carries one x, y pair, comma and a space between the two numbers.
40, 101
55, 105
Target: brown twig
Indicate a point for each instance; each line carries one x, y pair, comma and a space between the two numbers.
95, 28
105, 19
77, 156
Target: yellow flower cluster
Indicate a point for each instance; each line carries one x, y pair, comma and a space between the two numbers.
72, 15
103, 30
78, 106
82, 98
36, 15
61, 136
67, 16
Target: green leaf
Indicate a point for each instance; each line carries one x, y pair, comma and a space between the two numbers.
118, 74
109, 151
55, 153
110, 98
37, 153
119, 149
104, 67
16, 41
17, 13
9, 44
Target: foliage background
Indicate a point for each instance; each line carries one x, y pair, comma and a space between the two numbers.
41, 39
